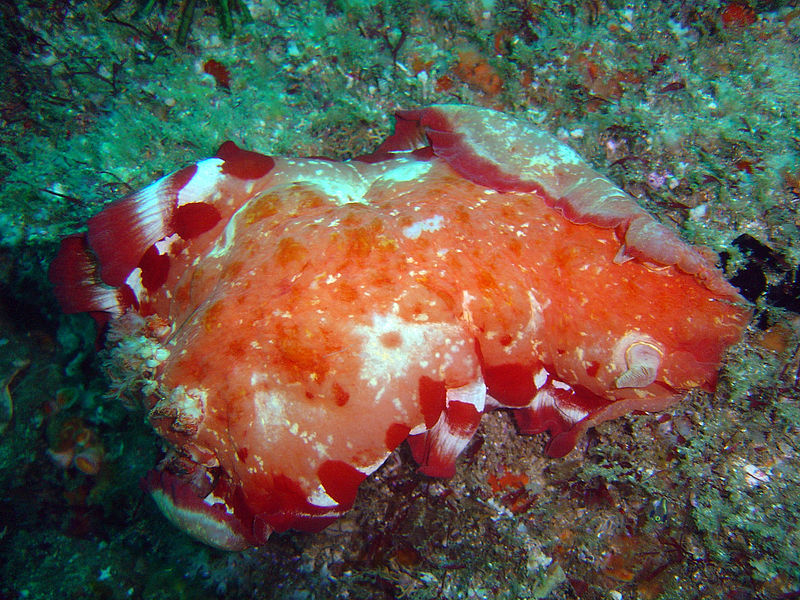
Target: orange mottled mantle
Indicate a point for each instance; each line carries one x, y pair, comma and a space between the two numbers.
293, 320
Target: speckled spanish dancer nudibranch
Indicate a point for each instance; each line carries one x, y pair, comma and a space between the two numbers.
302, 317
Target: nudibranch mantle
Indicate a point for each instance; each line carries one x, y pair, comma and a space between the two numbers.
293, 320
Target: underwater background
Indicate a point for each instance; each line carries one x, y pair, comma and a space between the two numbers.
692, 107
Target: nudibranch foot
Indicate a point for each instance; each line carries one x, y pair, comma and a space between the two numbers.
299, 318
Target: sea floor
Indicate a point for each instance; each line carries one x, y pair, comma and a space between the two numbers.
691, 107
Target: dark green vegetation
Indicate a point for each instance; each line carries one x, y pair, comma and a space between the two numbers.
224, 9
